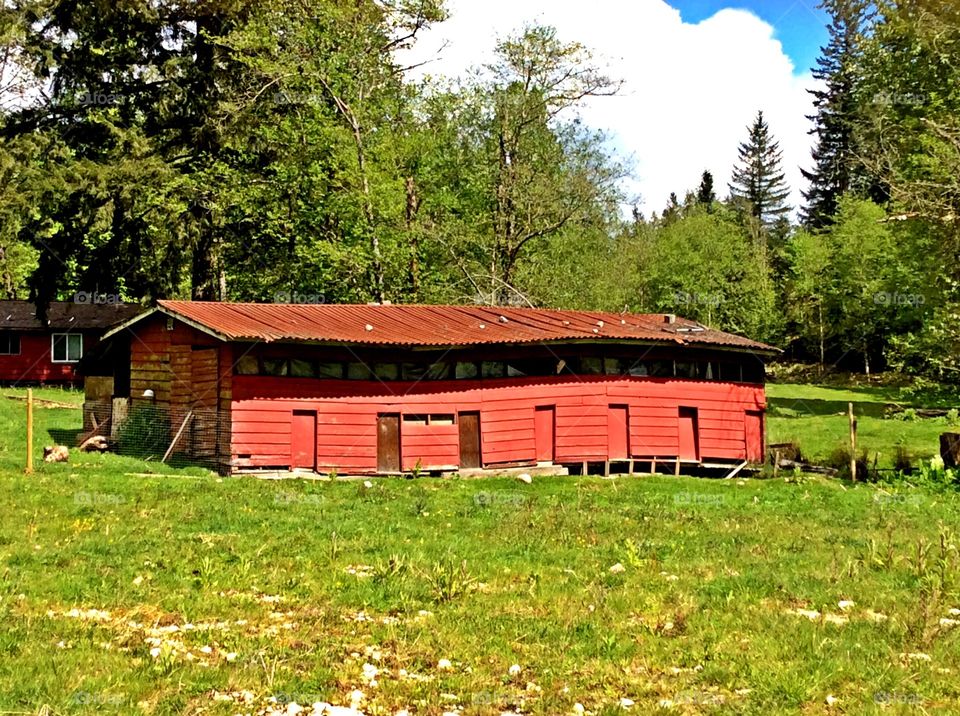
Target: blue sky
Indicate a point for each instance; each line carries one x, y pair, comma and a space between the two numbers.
800, 25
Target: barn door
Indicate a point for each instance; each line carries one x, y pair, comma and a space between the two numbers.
388, 443
618, 433
469, 440
689, 435
544, 422
204, 375
753, 435
303, 440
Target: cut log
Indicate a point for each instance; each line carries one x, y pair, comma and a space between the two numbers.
950, 449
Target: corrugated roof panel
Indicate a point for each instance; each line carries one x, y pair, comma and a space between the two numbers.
421, 325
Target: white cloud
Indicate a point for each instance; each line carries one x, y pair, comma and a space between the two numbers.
689, 90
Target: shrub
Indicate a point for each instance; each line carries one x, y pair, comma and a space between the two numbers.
902, 460
839, 459
145, 433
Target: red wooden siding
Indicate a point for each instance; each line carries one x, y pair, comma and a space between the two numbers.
263, 407
34, 364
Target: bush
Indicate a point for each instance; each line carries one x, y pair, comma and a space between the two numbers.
839, 459
145, 433
902, 460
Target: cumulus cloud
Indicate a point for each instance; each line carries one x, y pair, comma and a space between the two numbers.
689, 90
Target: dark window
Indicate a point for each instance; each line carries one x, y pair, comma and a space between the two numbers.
386, 371
590, 365
443, 419
730, 372
247, 365
660, 368
414, 419
359, 371
638, 368
330, 370
9, 343
66, 347
438, 371
303, 368
467, 370
687, 369
275, 366
493, 369
612, 366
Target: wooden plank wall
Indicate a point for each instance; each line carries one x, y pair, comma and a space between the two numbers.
347, 414
34, 363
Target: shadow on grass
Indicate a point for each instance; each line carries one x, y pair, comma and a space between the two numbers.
61, 436
812, 407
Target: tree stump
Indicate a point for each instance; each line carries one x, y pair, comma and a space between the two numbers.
950, 449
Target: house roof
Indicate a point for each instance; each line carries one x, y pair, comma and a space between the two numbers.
65, 315
437, 326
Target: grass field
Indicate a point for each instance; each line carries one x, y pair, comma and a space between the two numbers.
180, 592
815, 417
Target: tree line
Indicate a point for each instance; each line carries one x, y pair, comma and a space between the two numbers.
226, 150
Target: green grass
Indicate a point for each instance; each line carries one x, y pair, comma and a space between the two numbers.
303, 583
815, 417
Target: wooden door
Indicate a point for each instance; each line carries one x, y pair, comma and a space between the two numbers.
689, 434
618, 432
544, 428
753, 435
303, 440
388, 443
204, 375
470, 456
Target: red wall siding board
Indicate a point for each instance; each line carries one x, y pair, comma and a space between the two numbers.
347, 412
34, 363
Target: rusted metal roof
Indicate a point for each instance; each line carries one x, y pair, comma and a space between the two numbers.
65, 315
422, 325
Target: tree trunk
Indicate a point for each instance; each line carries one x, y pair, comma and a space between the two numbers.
413, 206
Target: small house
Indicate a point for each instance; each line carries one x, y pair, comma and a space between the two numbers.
52, 351
388, 389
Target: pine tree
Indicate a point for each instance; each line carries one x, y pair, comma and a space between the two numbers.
758, 179
705, 193
837, 168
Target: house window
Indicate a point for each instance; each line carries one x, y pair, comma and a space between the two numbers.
66, 347
466, 371
303, 368
330, 370
9, 344
248, 365
275, 366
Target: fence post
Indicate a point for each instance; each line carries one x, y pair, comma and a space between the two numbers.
29, 468
853, 442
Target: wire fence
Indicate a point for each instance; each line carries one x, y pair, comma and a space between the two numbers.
179, 435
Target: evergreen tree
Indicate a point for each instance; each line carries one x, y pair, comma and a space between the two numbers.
758, 180
705, 193
837, 167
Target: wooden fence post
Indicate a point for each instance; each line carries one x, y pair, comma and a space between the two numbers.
853, 442
29, 468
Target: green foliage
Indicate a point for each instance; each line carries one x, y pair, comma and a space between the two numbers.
145, 433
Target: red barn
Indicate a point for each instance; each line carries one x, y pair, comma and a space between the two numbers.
381, 389
51, 351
